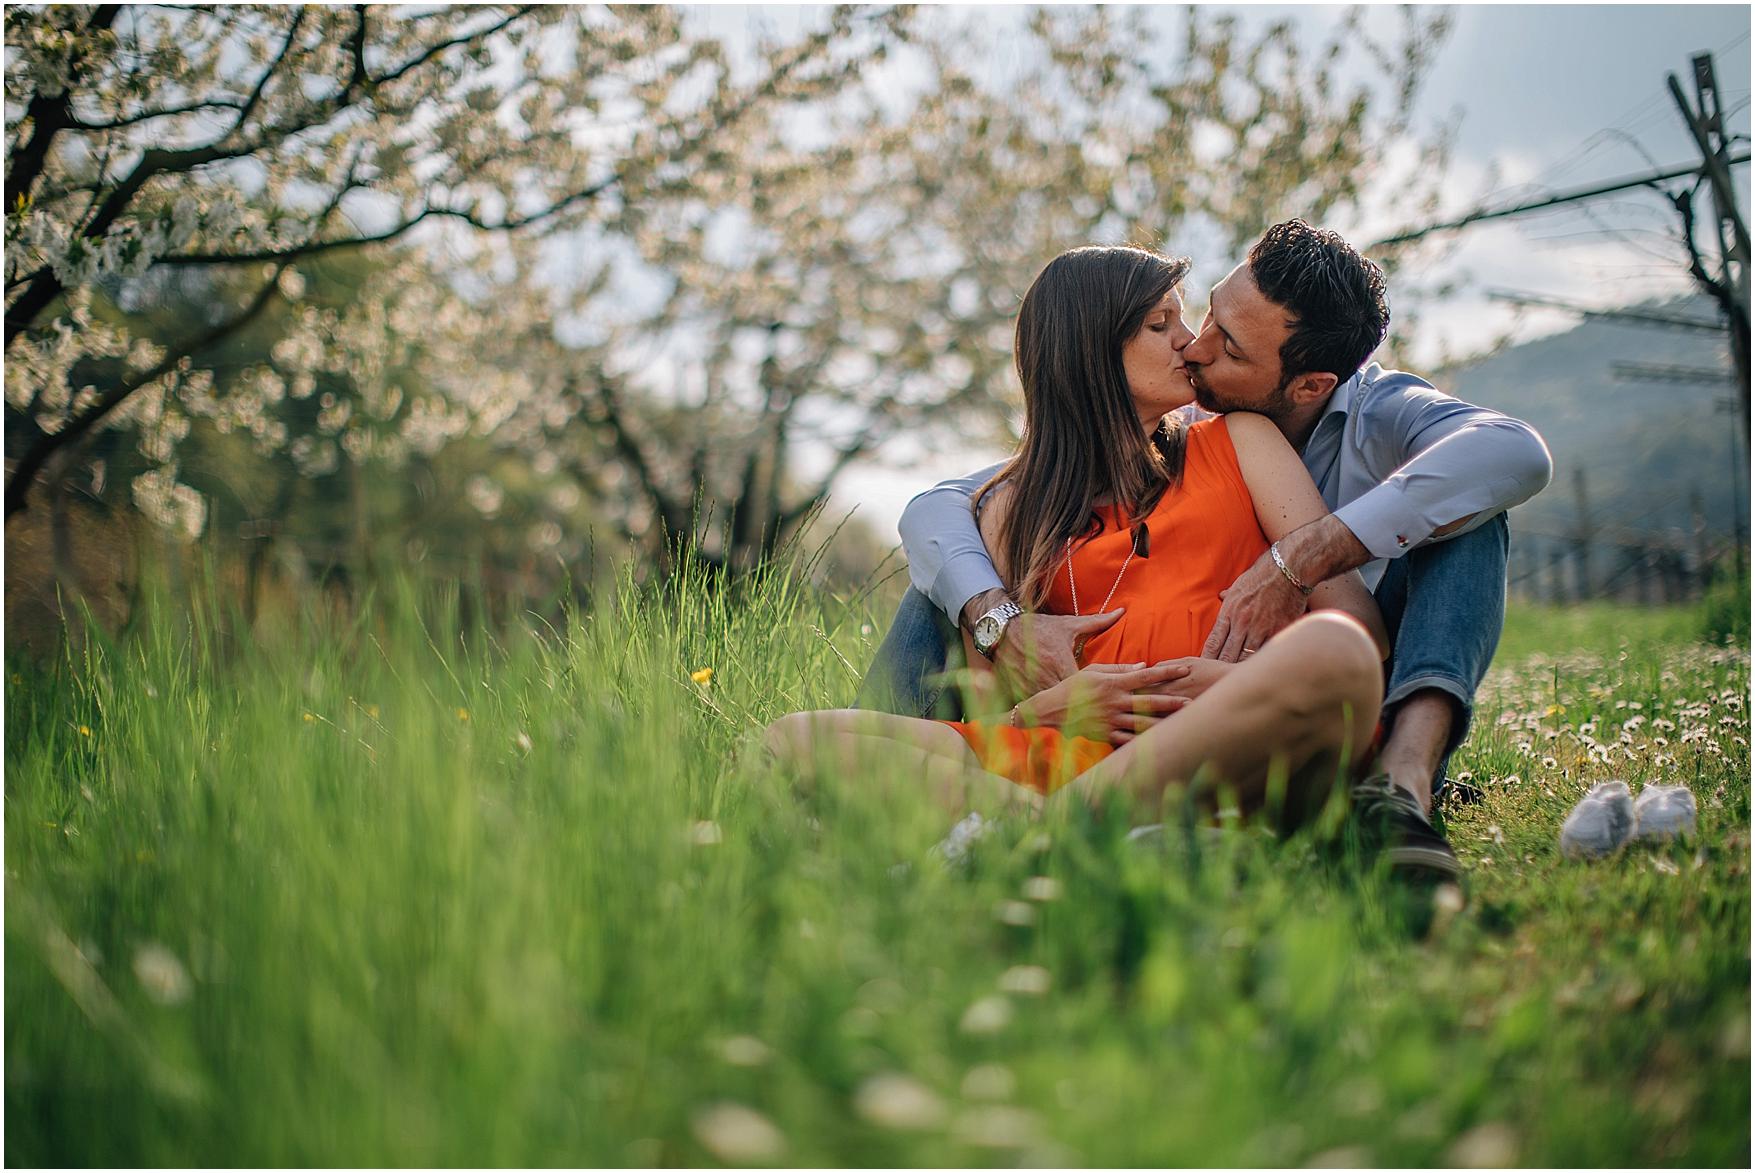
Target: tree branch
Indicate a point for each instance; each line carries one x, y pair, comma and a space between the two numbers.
314, 247
24, 474
149, 115
48, 117
628, 448
464, 39
255, 97
859, 446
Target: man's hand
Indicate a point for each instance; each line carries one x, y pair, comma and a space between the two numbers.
1263, 601
1256, 607
1038, 651
1107, 702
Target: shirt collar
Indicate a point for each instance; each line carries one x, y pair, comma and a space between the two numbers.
1341, 402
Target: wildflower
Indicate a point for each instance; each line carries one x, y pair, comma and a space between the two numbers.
702, 676
1486, 1146
161, 975
1025, 979
85, 731
986, 1016
1041, 888
738, 1135
310, 717
372, 712
996, 1127
522, 742
899, 1102
463, 714
744, 1051
1014, 912
990, 1081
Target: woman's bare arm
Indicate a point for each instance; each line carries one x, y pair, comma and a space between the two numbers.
1285, 498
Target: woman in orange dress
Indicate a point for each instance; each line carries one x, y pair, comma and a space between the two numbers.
1111, 504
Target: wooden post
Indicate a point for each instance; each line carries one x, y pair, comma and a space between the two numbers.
1697, 521
1582, 537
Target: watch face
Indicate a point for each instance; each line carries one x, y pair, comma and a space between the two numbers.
987, 631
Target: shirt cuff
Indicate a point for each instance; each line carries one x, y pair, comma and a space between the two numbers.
962, 578
1385, 522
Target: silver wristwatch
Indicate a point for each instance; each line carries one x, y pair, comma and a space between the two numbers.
991, 626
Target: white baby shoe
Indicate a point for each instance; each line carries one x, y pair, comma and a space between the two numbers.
968, 831
1663, 812
1601, 822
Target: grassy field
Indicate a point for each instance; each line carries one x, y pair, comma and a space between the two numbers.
401, 892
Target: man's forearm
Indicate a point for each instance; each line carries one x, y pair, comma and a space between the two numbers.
1322, 549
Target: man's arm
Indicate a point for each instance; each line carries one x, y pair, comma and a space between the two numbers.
947, 561
1455, 466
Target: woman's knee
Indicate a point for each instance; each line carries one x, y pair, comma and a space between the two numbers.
789, 737
1329, 658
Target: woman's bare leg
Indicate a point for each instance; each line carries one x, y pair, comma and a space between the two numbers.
1310, 696
858, 739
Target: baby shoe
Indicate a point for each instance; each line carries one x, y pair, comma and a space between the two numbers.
1601, 822
1663, 812
968, 831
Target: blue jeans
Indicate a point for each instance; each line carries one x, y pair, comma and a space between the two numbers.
1444, 605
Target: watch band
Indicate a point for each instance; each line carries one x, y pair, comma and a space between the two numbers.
1003, 614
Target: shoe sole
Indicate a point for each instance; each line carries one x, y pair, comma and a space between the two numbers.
1410, 857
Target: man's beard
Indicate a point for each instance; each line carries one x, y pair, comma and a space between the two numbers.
1277, 407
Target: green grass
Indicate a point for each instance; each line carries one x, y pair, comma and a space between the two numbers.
402, 892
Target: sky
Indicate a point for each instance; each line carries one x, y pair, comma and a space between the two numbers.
1544, 99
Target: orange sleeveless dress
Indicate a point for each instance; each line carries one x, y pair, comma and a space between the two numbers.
1203, 534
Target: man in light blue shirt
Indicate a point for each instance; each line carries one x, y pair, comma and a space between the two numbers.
1418, 484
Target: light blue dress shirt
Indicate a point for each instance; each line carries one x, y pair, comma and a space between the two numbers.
1394, 459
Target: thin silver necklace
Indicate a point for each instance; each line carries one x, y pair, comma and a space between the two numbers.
1074, 583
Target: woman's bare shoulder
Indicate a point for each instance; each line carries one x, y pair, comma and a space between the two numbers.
1247, 427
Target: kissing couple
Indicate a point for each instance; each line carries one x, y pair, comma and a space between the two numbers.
1306, 583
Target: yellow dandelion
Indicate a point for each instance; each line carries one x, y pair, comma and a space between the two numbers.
85, 731
702, 676
310, 717
372, 712
463, 714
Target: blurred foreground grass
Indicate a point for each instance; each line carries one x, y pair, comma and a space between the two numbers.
401, 892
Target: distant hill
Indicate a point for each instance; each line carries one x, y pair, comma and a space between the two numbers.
1643, 446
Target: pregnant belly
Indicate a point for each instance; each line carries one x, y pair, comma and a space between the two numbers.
1150, 638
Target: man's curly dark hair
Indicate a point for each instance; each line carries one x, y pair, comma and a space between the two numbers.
1335, 294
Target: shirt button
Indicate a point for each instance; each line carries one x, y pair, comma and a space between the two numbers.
1401, 541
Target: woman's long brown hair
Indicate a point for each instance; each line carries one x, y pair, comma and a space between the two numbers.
1082, 441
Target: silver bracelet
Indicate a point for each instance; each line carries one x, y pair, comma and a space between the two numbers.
1274, 553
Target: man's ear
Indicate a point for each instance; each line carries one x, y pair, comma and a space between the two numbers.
1311, 387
